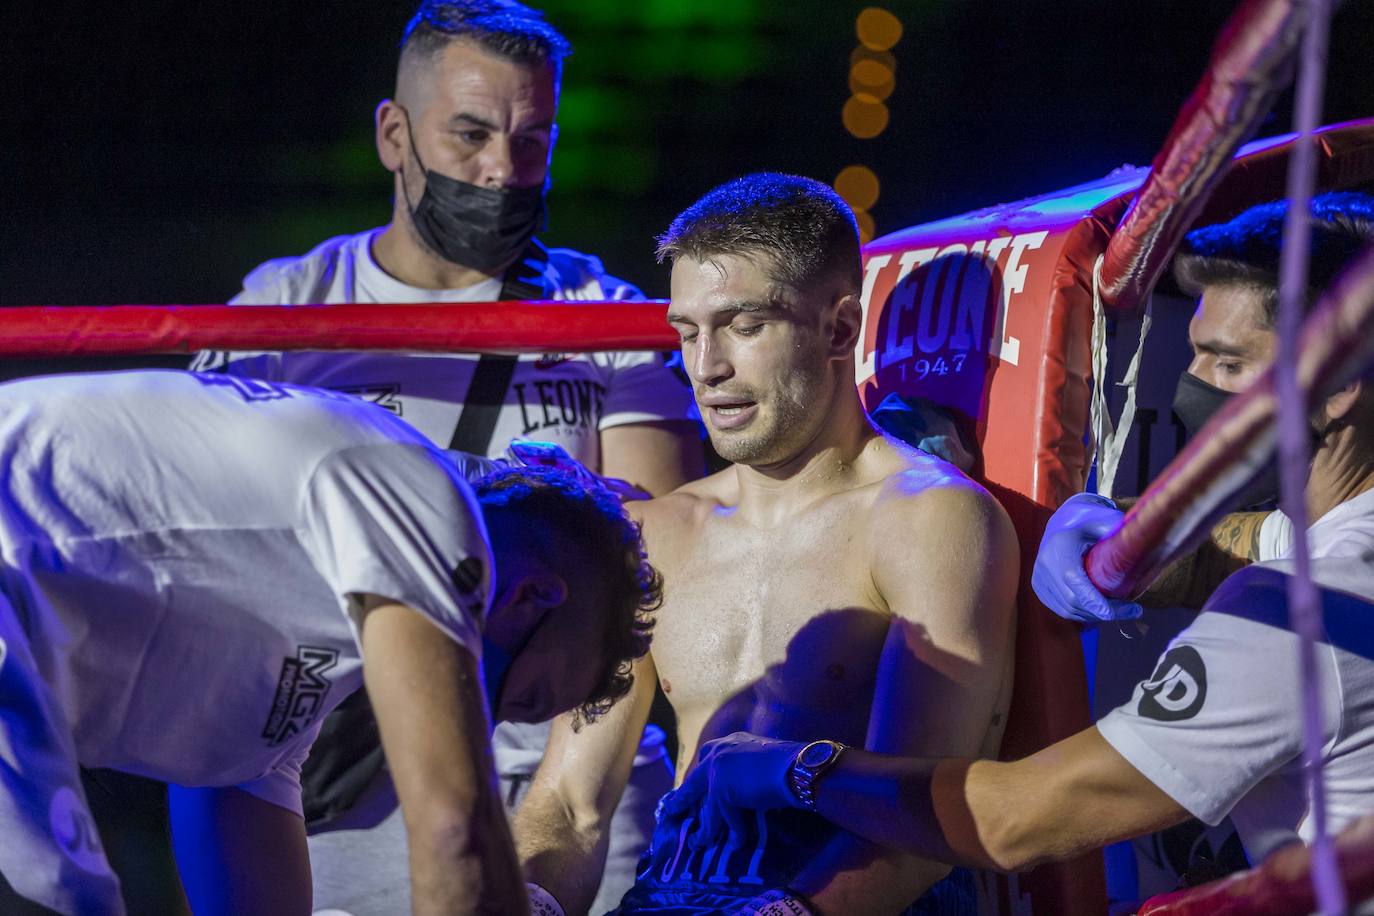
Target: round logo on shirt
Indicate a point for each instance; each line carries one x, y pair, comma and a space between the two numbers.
1178, 687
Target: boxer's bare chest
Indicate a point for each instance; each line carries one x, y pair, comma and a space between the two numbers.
774, 630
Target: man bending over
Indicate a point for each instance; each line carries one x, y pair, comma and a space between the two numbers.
832, 581
194, 569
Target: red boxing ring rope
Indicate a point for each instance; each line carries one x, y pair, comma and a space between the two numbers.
1251, 63
510, 327
1178, 509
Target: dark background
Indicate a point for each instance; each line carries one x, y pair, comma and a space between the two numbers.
156, 152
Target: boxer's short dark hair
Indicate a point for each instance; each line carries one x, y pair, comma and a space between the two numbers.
806, 230
504, 27
583, 533
1245, 251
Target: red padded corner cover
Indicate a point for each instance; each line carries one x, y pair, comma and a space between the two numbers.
991, 313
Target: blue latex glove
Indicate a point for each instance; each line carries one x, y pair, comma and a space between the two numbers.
1059, 579
734, 776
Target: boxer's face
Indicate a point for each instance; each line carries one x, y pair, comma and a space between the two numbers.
756, 355
475, 116
1231, 344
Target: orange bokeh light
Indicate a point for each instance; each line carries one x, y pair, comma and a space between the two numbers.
865, 118
866, 227
858, 186
871, 81
878, 29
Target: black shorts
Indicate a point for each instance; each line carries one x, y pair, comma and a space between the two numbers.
676, 880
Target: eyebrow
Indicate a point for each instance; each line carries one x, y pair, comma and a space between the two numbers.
752, 307
1218, 348
466, 119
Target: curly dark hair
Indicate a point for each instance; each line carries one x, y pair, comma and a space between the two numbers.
581, 531
503, 27
1245, 251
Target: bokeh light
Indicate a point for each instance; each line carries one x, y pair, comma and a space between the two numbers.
866, 229
864, 118
870, 79
878, 29
884, 58
858, 186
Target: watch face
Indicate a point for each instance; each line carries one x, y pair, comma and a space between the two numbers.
816, 754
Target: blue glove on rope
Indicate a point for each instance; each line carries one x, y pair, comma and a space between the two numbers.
1059, 579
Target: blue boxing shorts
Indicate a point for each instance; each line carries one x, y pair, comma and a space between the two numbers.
676, 880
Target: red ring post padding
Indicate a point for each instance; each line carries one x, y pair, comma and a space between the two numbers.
1180, 506
1251, 63
510, 327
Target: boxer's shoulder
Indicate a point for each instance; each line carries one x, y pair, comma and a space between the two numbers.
920, 493
688, 503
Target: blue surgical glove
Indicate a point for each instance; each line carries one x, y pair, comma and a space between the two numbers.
734, 776
1059, 579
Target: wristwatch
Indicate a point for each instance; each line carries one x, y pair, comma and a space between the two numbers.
811, 763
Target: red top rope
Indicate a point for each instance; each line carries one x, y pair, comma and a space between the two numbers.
511, 327
1251, 64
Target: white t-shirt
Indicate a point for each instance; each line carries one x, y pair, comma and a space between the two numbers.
1219, 725
185, 551
562, 398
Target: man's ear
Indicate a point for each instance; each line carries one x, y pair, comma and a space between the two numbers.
391, 136
519, 607
848, 325
544, 590
1340, 404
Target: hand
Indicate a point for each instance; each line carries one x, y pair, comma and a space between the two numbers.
735, 774
1059, 579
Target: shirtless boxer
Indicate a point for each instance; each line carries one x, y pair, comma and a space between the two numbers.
832, 581
193, 571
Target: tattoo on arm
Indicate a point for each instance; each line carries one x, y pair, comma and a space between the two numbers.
1190, 580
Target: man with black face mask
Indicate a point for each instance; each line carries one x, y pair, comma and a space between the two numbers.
1232, 268
468, 139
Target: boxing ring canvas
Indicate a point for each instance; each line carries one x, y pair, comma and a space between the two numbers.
990, 313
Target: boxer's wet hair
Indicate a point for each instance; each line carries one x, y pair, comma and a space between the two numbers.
806, 230
504, 27
1245, 250
581, 532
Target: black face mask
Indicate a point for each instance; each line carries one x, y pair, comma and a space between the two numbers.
1196, 402
476, 227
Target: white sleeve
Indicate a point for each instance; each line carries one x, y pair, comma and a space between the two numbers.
394, 520
642, 388
261, 287
281, 786
1275, 537
1221, 711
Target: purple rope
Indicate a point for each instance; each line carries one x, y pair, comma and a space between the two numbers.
1305, 614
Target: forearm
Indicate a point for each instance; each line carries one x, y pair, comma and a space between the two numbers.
1190, 580
887, 800
464, 863
1072, 797
435, 732
560, 854
855, 876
